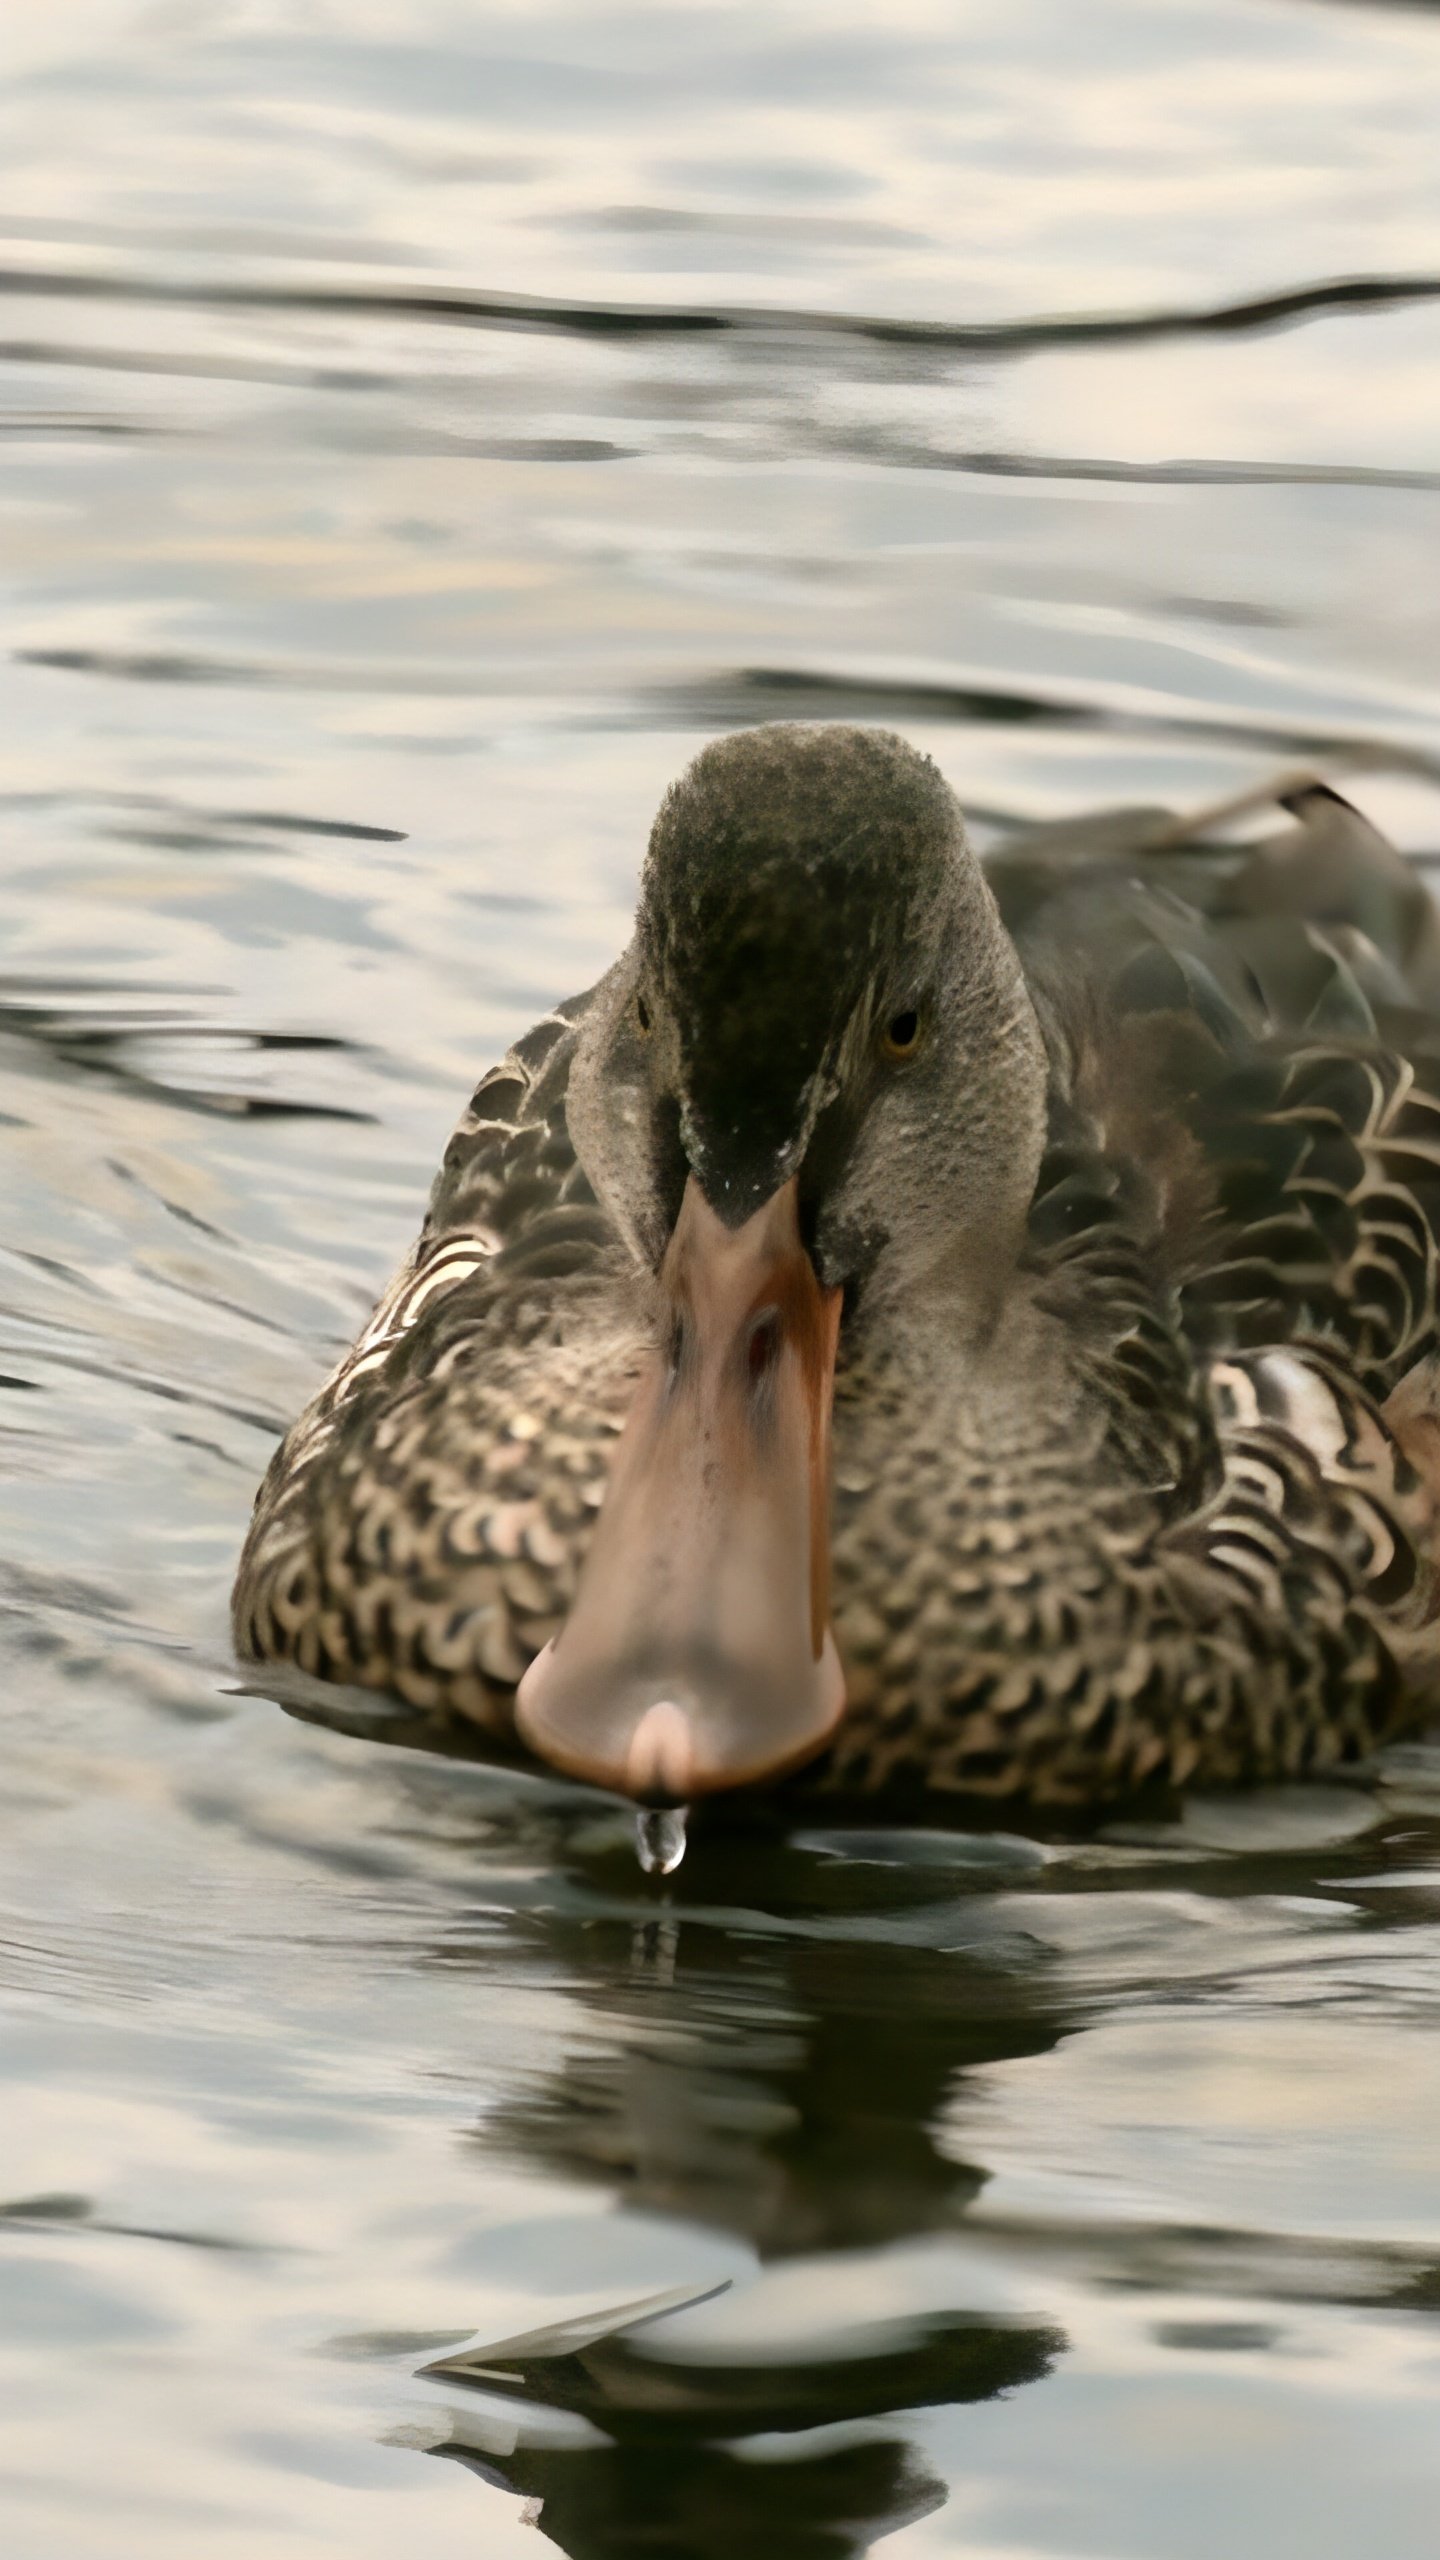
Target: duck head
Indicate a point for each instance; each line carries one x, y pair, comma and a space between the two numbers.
812, 1096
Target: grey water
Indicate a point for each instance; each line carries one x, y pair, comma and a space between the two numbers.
421, 425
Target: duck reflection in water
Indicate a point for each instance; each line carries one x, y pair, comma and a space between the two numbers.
768, 2067
687, 2501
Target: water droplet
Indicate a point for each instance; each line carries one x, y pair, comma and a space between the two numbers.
660, 1838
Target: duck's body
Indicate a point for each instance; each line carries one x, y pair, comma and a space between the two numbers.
1133, 1471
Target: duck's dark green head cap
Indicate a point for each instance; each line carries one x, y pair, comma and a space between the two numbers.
791, 878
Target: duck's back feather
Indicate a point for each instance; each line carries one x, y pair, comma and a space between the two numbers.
1251, 1038
1247, 1042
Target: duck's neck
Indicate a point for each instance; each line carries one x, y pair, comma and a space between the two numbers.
959, 1345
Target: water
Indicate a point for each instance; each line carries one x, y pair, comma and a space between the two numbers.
660, 1839
423, 425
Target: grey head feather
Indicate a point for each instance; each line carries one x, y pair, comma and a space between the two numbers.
805, 887
794, 883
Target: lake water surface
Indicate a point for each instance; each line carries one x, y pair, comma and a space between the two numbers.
421, 425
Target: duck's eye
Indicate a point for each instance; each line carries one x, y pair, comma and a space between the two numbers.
642, 1016
901, 1035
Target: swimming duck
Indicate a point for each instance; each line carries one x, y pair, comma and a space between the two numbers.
927, 1325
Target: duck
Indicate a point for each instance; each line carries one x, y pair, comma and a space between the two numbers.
919, 1324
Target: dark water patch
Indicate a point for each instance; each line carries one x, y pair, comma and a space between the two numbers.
59, 2212
990, 339
1177, 474
1214, 2261
153, 666
646, 221
116, 1033
536, 448
737, 698
191, 667
1218, 2337
193, 364
201, 826
40, 426
285, 822
39, 1590
250, 239
135, 1380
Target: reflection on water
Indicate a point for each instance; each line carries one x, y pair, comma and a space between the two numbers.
419, 428
793, 2105
697, 2498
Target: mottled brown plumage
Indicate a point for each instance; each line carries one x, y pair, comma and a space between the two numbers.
1134, 1437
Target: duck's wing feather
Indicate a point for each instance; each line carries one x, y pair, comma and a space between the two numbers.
404, 1536
1246, 1155
510, 1201
510, 1172
1247, 1040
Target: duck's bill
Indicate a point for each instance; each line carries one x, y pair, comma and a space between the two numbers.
698, 1654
